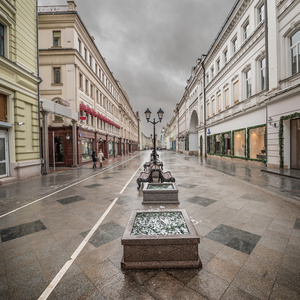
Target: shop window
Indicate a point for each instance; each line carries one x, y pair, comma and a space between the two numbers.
110, 148
226, 139
87, 148
257, 142
59, 148
217, 144
295, 52
3, 108
56, 38
239, 141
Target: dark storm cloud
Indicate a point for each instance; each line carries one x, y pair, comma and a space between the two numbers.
151, 45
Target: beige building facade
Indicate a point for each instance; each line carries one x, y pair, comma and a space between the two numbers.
77, 78
242, 100
19, 79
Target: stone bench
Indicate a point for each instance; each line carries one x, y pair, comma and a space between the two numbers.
144, 177
166, 177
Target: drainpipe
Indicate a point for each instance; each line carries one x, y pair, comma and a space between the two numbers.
266, 44
267, 71
204, 103
40, 81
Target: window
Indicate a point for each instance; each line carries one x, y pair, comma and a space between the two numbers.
219, 103
257, 142
213, 106
217, 144
92, 91
234, 45
295, 52
207, 78
236, 92
91, 60
261, 13
207, 110
218, 65
227, 98
97, 96
212, 70
209, 144
246, 30
248, 83
225, 53
85, 54
262, 65
86, 86
2, 37
239, 141
59, 148
80, 81
96, 69
56, 75
226, 138
56, 38
79, 46
3, 108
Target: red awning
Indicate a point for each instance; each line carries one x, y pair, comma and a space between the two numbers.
82, 107
88, 110
93, 113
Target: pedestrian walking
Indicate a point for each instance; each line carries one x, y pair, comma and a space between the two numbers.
94, 157
101, 157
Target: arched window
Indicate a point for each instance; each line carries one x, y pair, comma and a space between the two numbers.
295, 52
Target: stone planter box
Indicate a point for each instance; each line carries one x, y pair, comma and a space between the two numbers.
160, 251
160, 193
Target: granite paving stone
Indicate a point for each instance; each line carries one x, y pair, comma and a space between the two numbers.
249, 234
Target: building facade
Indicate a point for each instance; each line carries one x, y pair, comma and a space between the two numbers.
243, 97
77, 77
19, 101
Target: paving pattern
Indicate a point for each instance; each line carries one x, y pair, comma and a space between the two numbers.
250, 235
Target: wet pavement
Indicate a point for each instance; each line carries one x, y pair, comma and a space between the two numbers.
61, 233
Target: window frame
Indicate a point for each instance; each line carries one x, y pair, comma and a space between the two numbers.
55, 75
248, 83
54, 38
246, 30
295, 46
2, 38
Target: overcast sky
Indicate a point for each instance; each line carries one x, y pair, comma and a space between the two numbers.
152, 45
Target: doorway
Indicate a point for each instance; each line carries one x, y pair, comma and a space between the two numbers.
3, 154
295, 144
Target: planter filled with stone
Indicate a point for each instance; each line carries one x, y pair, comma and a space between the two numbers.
160, 239
160, 193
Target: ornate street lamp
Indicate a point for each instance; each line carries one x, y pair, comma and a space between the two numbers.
160, 114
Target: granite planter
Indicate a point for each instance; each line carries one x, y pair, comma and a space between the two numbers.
160, 193
156, 251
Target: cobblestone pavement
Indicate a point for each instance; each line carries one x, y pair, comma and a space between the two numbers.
249, 228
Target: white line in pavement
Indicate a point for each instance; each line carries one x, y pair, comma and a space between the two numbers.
68, 264
10, 212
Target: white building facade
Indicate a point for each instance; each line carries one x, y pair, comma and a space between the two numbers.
243, 97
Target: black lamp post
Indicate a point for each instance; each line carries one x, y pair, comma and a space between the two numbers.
160, 114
